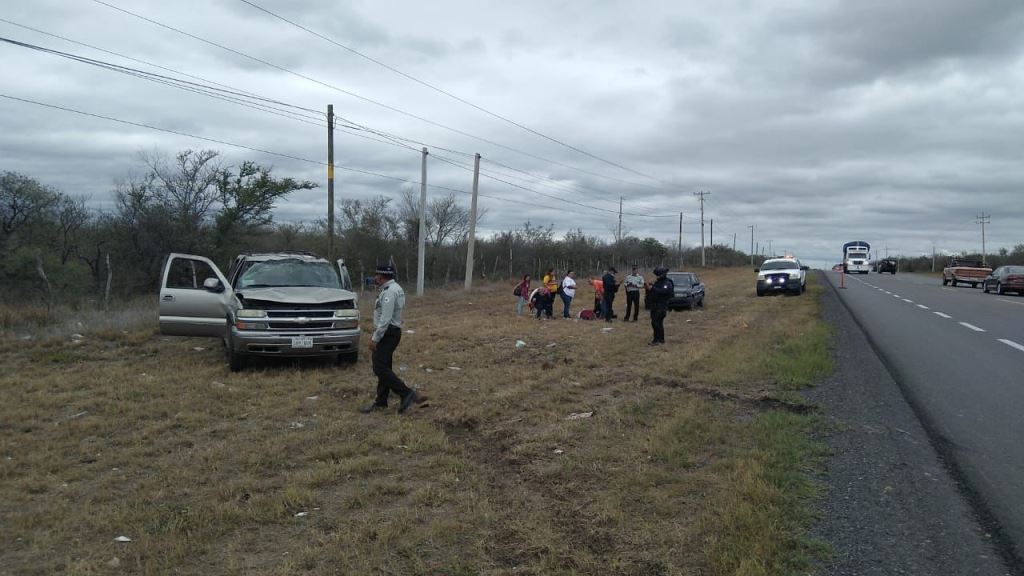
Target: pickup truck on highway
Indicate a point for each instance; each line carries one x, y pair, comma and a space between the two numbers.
971, 272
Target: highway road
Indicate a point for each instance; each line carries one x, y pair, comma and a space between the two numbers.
958, 355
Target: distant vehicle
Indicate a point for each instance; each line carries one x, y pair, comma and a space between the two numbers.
781, 275
856, 257
1005, 279
971, 272
887, 265
269, 304
689, 291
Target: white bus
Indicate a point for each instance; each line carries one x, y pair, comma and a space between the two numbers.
856, 257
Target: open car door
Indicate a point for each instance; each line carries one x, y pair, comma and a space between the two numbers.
346, 279
193, 297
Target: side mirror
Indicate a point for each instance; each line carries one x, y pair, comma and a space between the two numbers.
805, 268
757, 269
213, 285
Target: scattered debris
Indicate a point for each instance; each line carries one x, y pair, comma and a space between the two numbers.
578, 415
296, 425
429, 369
552, 345
402, 367
410, 331
402, 447
312, 397
454, 368
198, 348
217, 384
114, 562
122, 539
520, 344
77, 336
559, 451
79, 415
609, 329
688, 320
26, 337
301, 514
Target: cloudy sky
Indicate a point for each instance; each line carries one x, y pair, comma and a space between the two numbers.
815, 121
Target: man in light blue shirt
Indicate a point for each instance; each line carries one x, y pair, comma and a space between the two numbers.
387, 333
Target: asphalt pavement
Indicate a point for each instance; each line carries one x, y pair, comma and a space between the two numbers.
898, 499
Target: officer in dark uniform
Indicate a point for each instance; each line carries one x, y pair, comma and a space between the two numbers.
387, 333
661, 290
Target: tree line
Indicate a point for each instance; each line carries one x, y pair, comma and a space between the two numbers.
55, 248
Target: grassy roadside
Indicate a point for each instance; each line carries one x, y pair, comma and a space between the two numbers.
695, 460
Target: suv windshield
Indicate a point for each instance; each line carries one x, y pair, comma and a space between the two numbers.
289, 272
682, 280
779, 265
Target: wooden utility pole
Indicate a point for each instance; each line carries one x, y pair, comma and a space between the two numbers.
472, 224
983, 219
330, 182
703, 257
618, 237
733, 241
751, 244
421, 260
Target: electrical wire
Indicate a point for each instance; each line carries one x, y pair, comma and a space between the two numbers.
447, 93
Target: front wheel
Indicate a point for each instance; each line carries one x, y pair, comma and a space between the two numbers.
945, 281
236, 361
974, 284
984, 287
999, 288
952, 282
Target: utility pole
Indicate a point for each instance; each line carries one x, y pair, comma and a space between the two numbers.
770, 252
421, 260
751, 244
983, 219
618, 237
733, 241
933, 257
472, 224
679, 259
703, 257
330, 183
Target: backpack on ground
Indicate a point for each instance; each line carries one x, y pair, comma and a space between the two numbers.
586, 314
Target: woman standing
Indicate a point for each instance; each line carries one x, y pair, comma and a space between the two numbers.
522, 292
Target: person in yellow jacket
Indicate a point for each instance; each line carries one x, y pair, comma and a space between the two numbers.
551, 281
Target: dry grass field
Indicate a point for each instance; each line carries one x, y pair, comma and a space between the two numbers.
697, 458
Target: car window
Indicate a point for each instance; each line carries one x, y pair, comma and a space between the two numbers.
1014, 270
682, 280
289, 272
189, 274
780, 265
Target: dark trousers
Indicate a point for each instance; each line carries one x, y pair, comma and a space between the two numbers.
658, 323
632, 303
387, 380
606, 307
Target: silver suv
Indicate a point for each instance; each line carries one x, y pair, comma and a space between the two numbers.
269, 304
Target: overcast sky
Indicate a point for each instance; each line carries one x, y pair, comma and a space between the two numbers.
817, 122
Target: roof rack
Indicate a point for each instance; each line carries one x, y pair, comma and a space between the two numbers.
272, 252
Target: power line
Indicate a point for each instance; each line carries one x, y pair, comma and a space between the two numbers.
360, 97
447, 93
270, 152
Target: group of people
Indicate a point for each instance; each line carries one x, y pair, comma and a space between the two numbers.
606, 287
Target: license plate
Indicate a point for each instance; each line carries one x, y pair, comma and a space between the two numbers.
302, 342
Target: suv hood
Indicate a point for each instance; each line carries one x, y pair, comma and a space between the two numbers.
297, 294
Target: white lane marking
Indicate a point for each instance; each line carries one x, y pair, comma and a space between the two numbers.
941, 314
1011, 301
923, 307
895, 295
1011, 343
910, 301
972, 327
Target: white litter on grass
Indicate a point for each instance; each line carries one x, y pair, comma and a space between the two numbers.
552, 345
429, 369
410, 331
520, 344
454, 368
26, 337
689, 320
77, 336
301, 514
578, 415
402, 446
296, 425
402, 368
312, 397
198, 348
607, 329
122, 539
558, 451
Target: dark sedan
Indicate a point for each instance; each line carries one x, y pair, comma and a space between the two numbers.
1005, 279
689, 291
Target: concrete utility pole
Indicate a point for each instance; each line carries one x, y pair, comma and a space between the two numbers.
703, 258
421, 260
751, 244
983, 219
680, 252
330, 183
472, 224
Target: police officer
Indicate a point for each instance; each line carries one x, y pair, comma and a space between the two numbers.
387, 333
661, 290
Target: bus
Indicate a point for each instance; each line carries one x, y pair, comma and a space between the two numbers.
856, 257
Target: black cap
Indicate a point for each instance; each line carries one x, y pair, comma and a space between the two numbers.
385, 269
